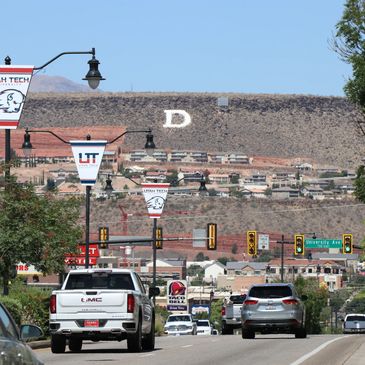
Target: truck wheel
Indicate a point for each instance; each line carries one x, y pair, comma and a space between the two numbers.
227, 330
301, 333
134, 340
148, 342
247, 333
58, 344
75, 344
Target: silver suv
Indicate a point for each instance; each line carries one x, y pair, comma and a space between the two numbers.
273, 308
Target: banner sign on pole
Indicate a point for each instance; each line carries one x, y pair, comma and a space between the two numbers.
14, 84
155, 195
88, 156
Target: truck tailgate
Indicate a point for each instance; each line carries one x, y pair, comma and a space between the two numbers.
103, 301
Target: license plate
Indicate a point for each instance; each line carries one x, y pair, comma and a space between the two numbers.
270, 307
91, 323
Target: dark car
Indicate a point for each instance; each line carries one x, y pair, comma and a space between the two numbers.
13, 349
273, 308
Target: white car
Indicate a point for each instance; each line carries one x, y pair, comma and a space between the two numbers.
203, 327
180, 324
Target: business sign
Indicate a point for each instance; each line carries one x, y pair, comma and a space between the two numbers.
197, 309
155, 195
79, 260
322, 243
263, 243
25, 269
88, 156
14, 84
177, 295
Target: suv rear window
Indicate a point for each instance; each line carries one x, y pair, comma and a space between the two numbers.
270, 292
100, 281
355, 318
237, 299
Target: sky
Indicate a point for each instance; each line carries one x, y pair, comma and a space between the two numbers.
223, 46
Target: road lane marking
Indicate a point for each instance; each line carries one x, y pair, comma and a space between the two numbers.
185, 346
146, 355
319, 348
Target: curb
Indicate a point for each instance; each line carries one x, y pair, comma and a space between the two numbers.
39, 344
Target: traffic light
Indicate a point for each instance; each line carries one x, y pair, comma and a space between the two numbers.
159, 238
347, 243
252, 243
212, 236
103, 236
299, 244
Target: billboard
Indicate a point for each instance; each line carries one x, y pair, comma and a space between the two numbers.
177, 295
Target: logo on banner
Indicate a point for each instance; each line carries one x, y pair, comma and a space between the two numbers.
88, 156
155, 195
14, 84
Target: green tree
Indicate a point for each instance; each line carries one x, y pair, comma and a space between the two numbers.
35, 229
349, 43
234, 248
316, 300
201, 257
359, 184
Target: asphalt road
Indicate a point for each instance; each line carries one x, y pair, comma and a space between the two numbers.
206, 350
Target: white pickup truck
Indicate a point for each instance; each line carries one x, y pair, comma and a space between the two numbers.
231, 313
102, 304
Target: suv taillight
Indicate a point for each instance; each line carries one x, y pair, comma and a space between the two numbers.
223, 311
52, 304
130, 303
290, 301
250, 302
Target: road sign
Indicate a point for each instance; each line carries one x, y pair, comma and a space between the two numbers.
322, 243
264, 242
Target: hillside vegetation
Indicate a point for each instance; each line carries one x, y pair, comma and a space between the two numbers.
319, 129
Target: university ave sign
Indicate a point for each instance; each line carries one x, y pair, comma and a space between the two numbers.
322, 243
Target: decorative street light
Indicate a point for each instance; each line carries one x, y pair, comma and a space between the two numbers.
86, 179
19, 77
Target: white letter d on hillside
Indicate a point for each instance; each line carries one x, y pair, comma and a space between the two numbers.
169, 114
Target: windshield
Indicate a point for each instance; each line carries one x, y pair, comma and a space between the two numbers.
100, 280
270, 292
202, 323
178, 318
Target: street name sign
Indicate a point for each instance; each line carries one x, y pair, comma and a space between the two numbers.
322, 243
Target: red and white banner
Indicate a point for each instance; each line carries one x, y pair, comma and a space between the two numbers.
88, 156
155, 195
14, 84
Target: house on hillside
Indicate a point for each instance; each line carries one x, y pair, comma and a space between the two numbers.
285, 193
212, 271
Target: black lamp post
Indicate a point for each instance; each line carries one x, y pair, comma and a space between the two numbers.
93, 77
27, 148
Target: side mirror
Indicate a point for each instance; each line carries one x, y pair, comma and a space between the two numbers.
30, 331
304, 297
153, 292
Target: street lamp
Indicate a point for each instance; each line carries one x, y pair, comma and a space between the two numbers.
93, 77
27, 149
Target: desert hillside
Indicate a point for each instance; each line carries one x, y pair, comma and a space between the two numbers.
319, 129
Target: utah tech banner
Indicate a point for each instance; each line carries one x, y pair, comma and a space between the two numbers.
14, 84
88, 156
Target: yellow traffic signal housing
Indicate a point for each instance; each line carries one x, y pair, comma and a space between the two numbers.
159, 238
347, 244
103, 236
212, 236
299, 244
252, 243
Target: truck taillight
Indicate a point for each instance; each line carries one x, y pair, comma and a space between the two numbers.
130, 303
52, 304
223, 311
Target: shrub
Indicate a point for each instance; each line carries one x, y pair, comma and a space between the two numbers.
14, 307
